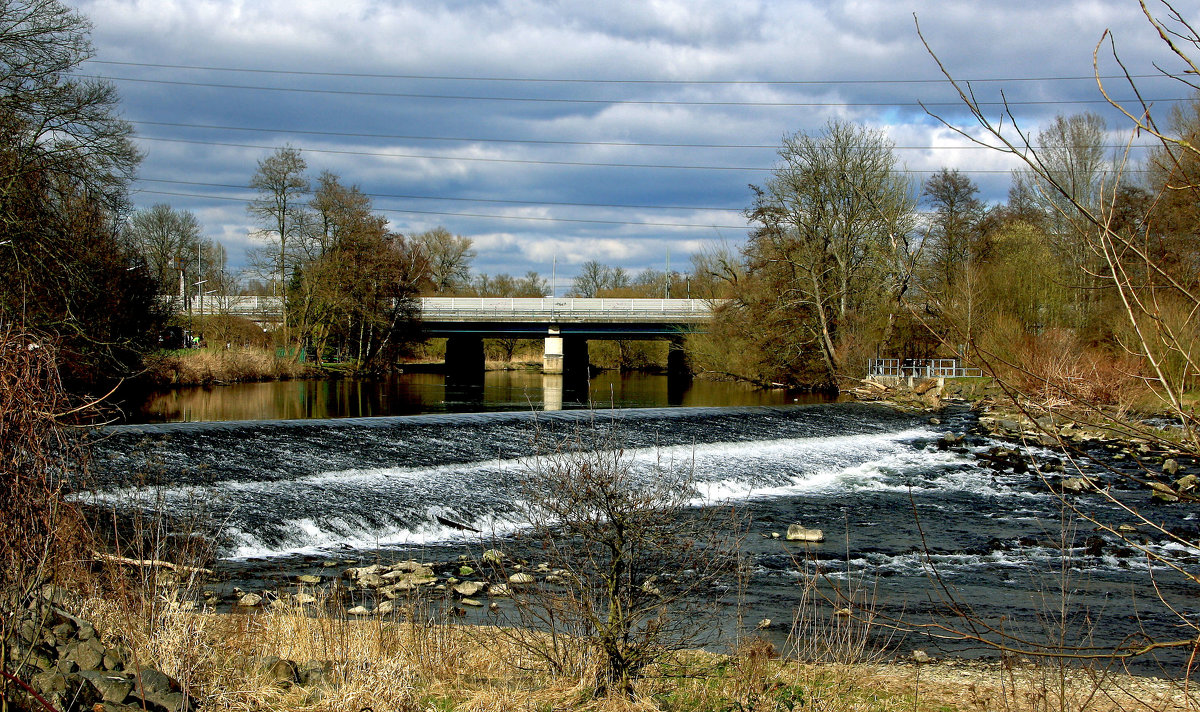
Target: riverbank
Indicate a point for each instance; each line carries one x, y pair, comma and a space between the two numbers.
206, 367
297, 654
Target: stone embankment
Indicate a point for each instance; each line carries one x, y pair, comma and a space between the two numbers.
62, 660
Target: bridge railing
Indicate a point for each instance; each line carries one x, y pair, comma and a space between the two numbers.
516, 306
481, 306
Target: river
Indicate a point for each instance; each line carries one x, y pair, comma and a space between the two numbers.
912, 522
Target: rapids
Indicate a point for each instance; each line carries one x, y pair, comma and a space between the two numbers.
906, 520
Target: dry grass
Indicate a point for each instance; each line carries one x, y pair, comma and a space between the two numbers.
418, 661
201, 367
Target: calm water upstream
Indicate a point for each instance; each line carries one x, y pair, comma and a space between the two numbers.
292, 493
414, 393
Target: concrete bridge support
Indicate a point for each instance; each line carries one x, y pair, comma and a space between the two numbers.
464, 359
566, 355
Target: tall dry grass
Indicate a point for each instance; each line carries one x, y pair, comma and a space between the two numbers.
200, 367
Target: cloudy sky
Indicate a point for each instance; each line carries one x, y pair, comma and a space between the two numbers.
625, 132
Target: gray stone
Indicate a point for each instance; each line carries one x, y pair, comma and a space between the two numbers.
112, 660
359, 611
309, 579
1171, 467
89, 655
521, 579
282, 672
1187, 483
920, 656
111, 687
371, 580
1162, 493
315, 672
493, 556
470, 602
468, 588
249, 600
158, 689
64, 631
1076, 485
50, 682
499, 590
797, 532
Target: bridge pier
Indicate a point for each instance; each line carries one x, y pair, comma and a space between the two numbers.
678, 366
464, 358
566, 355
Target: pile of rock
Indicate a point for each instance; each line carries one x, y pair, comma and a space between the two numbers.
64, 661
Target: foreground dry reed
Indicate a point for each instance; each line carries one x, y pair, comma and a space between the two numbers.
293, 657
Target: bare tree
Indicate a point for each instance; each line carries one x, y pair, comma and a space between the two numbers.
281, 183
449, 257
638, 569
168, 240
834, 222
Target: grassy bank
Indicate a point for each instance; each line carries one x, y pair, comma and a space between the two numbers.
293, 656
202, 367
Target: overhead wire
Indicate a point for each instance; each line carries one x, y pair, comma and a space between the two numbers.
638, 102
536, 142
535, 218
593, 80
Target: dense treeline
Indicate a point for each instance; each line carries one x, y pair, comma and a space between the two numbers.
66, 161
847, 261
846, 258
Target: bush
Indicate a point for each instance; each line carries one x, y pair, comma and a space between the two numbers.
636, 571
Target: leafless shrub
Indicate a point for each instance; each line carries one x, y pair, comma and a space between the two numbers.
632, 570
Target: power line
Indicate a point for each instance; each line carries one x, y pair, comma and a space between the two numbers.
640, 102
528, 161
395, 196
538, 142
583, 80
457, 158
548, 142
477, 215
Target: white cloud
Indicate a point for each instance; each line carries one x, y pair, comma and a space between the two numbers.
871, 43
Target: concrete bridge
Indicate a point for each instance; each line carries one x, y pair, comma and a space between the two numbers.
566, 324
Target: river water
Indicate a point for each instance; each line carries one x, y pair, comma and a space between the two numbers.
913, 523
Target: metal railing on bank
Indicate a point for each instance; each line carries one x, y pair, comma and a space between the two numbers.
921, 368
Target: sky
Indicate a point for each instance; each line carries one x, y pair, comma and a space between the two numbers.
556, 132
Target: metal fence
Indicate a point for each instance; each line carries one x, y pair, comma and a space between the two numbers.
921, 368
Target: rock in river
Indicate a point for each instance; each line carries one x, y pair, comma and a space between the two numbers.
797, 532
